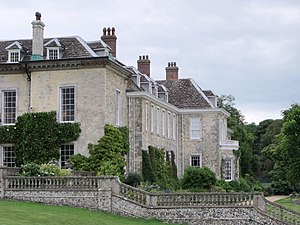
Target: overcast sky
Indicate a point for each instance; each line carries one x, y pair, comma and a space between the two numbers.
249, 49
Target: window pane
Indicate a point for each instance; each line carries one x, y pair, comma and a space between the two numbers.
196, 160
67, 106
227, 169
195, 128
9, 107
8, 156
66, 151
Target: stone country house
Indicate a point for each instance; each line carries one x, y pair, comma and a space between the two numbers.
84, 82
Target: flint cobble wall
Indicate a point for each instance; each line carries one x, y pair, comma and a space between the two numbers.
198, 215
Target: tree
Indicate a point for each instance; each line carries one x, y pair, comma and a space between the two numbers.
38, 136
240, 133
107, 157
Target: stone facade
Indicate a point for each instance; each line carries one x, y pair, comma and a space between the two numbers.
157, 113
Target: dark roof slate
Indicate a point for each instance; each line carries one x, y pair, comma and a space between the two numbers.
74, 47
183, 94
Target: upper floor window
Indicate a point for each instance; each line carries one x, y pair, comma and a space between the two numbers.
195, 127
118, 106
67, 104
66, 151
158, 121
228, 169
53, 53
8, 156
146, 115
163, 122
196, 160
9, 107
152, 118
14, 56
14, 52
174, 126
170, 125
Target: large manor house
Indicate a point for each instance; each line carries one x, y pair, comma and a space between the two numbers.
85, 82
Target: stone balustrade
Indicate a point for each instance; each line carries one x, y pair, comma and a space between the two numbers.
282, 213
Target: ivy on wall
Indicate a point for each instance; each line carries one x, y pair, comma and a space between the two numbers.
37, 137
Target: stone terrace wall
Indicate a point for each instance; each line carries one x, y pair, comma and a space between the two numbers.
108, 194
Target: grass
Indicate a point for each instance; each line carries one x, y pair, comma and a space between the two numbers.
287, 202
26, 213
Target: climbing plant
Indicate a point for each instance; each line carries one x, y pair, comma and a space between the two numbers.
37, 137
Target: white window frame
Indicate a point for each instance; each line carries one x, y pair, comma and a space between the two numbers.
15, 51
61, 111
195, 128
51, 56
174, 127
158, 120
163, 122
146, 115
118, 108
11, 162
152, 118
170, 125
228, 172
63, 158
3, 107
193, 158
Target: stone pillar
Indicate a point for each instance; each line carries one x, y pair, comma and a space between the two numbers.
105, 199
259, 201
3, 174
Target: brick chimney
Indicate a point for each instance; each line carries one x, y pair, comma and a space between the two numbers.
143, 64
37, 38
110, 39
172, 71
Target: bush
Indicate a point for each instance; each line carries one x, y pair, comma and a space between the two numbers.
31, 169
53, 170
196, 178
133, 179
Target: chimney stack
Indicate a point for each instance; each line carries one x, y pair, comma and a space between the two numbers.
172, 71
110, 39
37, 38
143, 64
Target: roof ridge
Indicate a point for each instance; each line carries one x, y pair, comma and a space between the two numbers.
85, 45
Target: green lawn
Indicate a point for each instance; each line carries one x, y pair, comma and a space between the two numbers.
26, 213
287, 202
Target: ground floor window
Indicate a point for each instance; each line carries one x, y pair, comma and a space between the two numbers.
66, 151
8, 156
228, 169
196, 160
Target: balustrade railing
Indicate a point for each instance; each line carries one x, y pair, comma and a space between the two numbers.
134, 194
205, 199
283, 214
38, 183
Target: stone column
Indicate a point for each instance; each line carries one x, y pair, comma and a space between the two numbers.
259, 201
105, 199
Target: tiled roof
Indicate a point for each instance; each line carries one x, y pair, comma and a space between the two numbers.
183, 94
74, 47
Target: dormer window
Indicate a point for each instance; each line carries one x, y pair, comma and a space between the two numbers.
54, 49
14, 56
52, 53
14, 52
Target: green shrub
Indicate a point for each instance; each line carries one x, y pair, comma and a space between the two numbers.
30, 169
53, 170
133, 179
147, 171
196, 178
79, 162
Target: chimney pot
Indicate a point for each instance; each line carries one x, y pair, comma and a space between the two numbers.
172, 71
38, 16
110, 40
144, 65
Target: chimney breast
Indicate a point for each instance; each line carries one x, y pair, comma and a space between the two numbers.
110, 39
143, 64
37, 38
172, 71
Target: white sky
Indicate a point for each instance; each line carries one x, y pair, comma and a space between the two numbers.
247, 48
